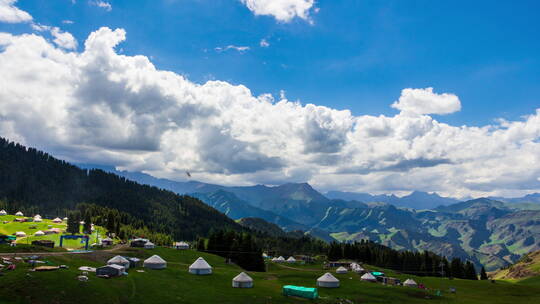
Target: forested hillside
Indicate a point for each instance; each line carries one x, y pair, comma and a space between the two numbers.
35, 182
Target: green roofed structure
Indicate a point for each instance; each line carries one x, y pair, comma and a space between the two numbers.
299, 291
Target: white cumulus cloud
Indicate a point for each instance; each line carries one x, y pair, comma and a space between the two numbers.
62, 39
425, 101
98, 106
282, 10
9, 13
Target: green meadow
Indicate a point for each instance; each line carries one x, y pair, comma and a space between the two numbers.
31, 227
176, 285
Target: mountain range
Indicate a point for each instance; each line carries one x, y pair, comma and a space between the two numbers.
493, 232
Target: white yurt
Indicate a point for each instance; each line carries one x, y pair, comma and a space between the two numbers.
149, 245
354, 265
65, 219
20, 234
119, 260
3, 212
200, 267
181, 245
328, 280
280, 259
410, 283
341, 270
155, 262
37, 218
19, 213
57, 220
368, 277
291, 260
359, 269
39, 233
274, 259
242, 281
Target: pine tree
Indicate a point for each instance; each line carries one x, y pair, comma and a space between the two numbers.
111, 222
87, 227
456, 268
200, 244
470, 271
73, 222
483, 274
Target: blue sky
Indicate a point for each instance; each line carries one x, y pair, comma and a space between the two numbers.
356, 55
379, 96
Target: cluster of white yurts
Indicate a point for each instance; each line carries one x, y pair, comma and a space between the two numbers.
281, 259
37, 218
328, 280
118, 265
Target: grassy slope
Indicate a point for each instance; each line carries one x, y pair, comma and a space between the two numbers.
176, 285
526, 269
12, 227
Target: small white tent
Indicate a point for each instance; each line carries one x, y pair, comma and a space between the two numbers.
37, 218
57, 220
19, 213
274, 259
200, 267
181, 245
291, 260
368, 277
119, 260
149, 245
328, 280
341, 270
3, 212
410, 283
65, 219
280, 259
359, 269
242, 281
39, 233
110, 270
20, 234
155, 262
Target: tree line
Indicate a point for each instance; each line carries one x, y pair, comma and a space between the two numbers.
237, 247
412, 262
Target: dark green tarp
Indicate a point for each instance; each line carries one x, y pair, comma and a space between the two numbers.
299, 291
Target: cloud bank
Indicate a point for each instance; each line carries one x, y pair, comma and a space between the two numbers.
99, 106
